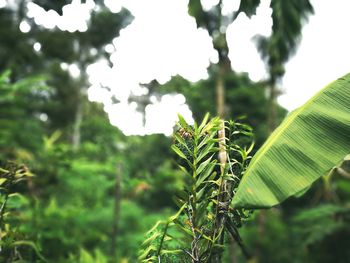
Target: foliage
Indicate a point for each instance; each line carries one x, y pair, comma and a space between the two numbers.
317, 223
69, 204
216, 23
59, 49
277, 49
14, 244
298, 152
79, 207
86, 257
200, 205
21, 101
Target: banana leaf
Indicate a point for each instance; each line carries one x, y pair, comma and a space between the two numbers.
307, 145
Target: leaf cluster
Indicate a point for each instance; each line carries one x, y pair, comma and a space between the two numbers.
194, 231
13, 243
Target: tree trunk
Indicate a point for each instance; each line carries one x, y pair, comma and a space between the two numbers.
220, 103
76, 138
272, 109
81, 104
222, 199
82, 86
220, 92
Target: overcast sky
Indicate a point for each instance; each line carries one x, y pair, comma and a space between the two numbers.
163, 41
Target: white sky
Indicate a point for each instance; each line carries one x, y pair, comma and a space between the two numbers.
323, 55
163, 41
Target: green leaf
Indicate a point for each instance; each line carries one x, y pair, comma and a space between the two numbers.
203, 191
178, 152
178, 213
157, 224
205, 151
183, 195
151, 238
4, 76
170, 252
302, 192
2, 180
181, 140
145, 253
184, 170
183, 229
32, 245
307, 145
207, 139
208, 170
203, 165
3, 170
204, 122
178, 201
248, 7
195, 9
183, 123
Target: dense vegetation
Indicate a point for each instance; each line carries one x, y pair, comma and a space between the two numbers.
74, 188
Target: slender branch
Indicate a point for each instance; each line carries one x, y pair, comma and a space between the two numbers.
195, 240
188, 253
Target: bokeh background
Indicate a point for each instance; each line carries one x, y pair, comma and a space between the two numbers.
89, 95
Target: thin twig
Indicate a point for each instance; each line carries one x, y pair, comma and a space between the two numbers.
194, 242
188, 253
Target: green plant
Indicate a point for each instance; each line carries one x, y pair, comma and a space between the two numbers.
86, 257
196, 233
309, 143
13, 242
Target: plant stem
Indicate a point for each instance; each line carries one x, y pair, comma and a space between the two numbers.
221, 199
194, 250
162, 240
272, 108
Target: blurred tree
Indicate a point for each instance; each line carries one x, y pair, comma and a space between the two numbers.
216, 23
288, 18
55, 52
16, 49
285, 34
21, 106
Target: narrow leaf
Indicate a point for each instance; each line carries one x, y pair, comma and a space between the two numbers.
178, 152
